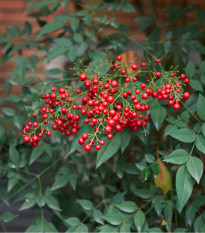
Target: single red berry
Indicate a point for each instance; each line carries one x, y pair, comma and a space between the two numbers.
26, 139
81, 141
49, 133
114, 83
53, 89
110, 136
123, 71
158, 60
186, 95
143, 64
186, 80
158, 74
54, 127
134, 66
61, 90
119, 58
87, 147
176, 106
107, 129
183, 76
98, 147
35, 124
34, 114
102, 142
82, 77
145, 95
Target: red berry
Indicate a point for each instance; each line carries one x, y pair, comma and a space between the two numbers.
114, 83
186, 95
110, 136
35, 124
102, 142
26, 139
123, 71
49, 133
98, 147
84, 136
119, 58
176, 106
82, 77
134, 66
81, 141
158, 74
143, 64
87, 147
158, 60
145, 95
107, 129
34, 114
53, 89
61, 90
182, 76
186, 80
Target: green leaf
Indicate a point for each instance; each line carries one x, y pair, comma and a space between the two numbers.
196, 85
85, 204
63, 42
158, 206
74, 25
51, 27
28, 204
202, 68
127, 206
114, 219
139, 220
37, 5
60, 181
158, 114
72, 221
128, 7
200, 143
175, 14
190, 214
190, 69
184, 135
195, 168
7, 217
199, 224
179, 156
78, 38
126, 136
200, 107
169, 128
52, 203
149, 158
155, 230
146, 173
56, 53
83, 46
125, 228
14, 155
97, 215
8, 111
203, 129
36, 153
155, 168
108, 149
72, 53
184, 186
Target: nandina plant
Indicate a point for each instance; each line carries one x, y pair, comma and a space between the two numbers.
112, 144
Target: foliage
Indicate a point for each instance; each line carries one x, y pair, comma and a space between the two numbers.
155, 181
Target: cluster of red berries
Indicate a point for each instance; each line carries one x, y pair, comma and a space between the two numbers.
109, 103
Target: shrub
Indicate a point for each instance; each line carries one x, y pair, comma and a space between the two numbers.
145, 171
